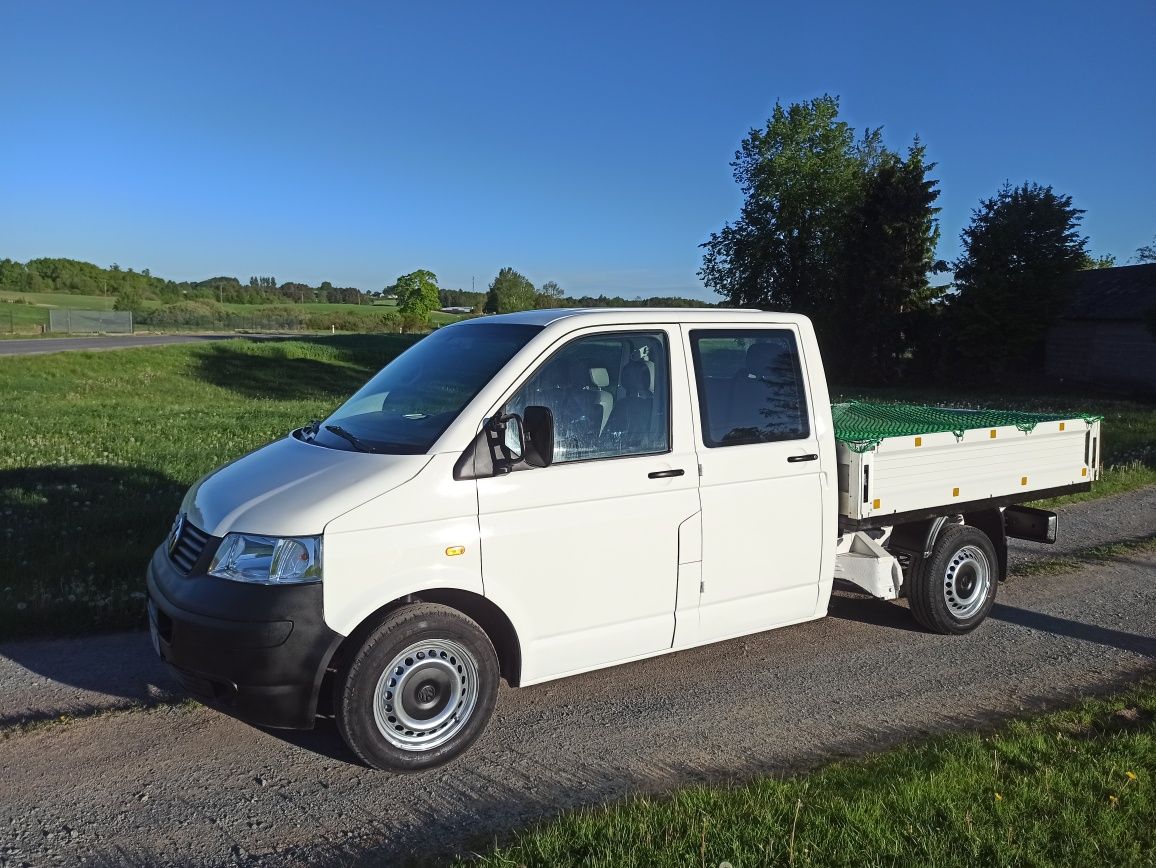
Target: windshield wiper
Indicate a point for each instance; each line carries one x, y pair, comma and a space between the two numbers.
357, 443
312, 428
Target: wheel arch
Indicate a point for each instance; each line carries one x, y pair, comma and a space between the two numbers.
493, 621
918, 538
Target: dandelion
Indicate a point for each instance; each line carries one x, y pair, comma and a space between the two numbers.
1113, 801
999, 797
1130, 775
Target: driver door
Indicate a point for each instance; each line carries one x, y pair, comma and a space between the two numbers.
584, 554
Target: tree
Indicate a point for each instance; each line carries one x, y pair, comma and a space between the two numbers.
510, 292
1021, 251
1105, 261
833, 226
887, 255
550, 295
1146, 253
129, 298
417, 295
800, 177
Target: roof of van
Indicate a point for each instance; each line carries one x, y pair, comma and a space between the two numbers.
612, 315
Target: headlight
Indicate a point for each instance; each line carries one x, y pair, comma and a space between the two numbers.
268, 560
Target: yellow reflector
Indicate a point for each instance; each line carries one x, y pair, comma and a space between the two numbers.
992, 433
454, 551
955, 492
918, 441
875, 503
1061, 426
1023, 480
1084, 471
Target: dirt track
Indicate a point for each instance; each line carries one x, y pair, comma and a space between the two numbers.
190, 786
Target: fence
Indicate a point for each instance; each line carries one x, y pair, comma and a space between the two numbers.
90, 321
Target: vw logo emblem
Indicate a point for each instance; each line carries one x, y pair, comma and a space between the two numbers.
175, 533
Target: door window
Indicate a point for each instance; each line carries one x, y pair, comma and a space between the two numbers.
609, 393
750, 386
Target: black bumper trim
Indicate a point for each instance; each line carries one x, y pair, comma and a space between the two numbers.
266, 669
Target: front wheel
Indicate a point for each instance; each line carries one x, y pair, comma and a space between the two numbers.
954, 589
419, 690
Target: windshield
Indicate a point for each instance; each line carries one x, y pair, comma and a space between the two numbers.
413, 399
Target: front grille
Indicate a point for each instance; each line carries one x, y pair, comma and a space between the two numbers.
186, 545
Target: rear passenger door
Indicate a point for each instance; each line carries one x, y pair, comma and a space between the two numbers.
761, 488
584, 554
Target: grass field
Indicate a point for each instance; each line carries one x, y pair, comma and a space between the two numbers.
98, 449
1072, 788
26, 318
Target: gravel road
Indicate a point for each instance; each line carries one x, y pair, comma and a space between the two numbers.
39, 346
191, 787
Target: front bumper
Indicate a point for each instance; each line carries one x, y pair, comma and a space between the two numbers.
256, 652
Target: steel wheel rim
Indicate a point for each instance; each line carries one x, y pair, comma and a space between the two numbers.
966, 582
426, 695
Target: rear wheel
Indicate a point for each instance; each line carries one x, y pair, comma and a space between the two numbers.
419, 690
954, 589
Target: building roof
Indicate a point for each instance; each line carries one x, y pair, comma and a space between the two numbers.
1124, 293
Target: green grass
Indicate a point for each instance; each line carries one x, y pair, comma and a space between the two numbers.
98, 449
1088, 557
1071, 788
26, 318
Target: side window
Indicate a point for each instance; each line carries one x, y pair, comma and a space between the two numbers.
750, 386
609, 393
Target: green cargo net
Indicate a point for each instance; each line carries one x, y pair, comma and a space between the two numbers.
861, 425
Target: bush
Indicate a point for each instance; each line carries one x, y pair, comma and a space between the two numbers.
203, 314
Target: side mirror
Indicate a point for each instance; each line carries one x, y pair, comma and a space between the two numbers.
511, 441
538, 430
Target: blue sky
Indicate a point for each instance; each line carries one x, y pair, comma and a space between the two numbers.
587, 143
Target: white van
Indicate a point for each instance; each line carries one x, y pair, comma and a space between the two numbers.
535, 495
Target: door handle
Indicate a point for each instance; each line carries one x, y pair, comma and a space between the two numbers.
665, 474
797, 458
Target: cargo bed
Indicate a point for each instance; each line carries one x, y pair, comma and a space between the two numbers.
904, 462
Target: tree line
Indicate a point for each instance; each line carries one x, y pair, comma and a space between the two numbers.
839, 227
84, 278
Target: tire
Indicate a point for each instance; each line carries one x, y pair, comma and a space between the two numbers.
419, 691
954, 589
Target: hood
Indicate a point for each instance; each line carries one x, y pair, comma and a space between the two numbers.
293, 488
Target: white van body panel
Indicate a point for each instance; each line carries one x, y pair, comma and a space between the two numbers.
593, 562
292, 488
400, 543
765, 519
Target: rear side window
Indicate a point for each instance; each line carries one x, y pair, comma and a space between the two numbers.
750, 386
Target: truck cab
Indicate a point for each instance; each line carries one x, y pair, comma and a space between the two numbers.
520, 497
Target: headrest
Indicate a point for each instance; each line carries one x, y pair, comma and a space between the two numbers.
762, 357
599, 377
636, 379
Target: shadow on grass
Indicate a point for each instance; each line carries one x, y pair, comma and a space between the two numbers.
305, 368
74, 546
